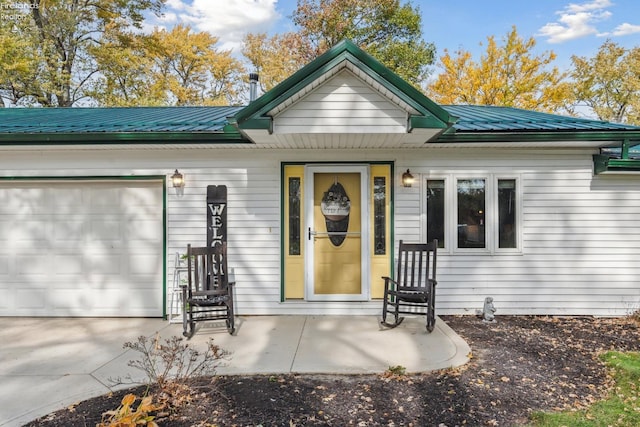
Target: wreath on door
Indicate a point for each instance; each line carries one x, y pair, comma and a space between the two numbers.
336, 206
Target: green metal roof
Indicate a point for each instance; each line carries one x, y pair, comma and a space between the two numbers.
473, 123
145, 119
152, 124
485, 123
486, 118
470, 118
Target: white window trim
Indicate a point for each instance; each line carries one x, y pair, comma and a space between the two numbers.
491, 216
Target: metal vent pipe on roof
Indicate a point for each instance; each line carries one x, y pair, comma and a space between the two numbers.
253, 86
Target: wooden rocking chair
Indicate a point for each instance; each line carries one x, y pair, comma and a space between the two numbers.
208, 294
414, 290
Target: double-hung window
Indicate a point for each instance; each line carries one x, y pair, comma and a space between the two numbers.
474, 213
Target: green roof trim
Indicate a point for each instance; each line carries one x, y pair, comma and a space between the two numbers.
426, 122
432, 115
120, 138
603, 164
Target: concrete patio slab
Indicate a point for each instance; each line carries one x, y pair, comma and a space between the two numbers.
48, 364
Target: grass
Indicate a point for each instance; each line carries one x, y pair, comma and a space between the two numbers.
621, 408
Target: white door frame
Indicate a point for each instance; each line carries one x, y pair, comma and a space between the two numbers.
309, 172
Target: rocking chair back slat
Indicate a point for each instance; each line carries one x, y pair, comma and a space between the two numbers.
416, 265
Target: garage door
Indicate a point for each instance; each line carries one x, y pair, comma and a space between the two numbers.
81, 248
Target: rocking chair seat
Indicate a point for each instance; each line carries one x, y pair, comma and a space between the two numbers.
416, 297
209, 301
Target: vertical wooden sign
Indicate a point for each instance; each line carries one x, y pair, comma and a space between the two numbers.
216, 215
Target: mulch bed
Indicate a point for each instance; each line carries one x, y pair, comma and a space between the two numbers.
519, 364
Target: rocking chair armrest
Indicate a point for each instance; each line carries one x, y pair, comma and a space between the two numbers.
388, 280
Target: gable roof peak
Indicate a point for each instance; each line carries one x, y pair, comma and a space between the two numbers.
430, 115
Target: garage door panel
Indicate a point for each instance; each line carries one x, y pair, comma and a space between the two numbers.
31, 298
106, 230
104, 266
139, 198
67, 200
142, 232
68, 265
71, 301
4, 266
33, 265
6, 298
68, 230
31, 232
81, 248
143, 265
107, 201
22, 201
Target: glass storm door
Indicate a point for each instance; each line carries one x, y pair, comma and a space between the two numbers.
337, 233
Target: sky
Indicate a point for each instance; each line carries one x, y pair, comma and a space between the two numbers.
567, 28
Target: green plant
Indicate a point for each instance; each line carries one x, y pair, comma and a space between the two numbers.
395, 371
126, 416
620, 409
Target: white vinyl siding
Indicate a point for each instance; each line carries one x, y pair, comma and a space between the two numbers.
579, 240
580, 237
253, 228
343, 104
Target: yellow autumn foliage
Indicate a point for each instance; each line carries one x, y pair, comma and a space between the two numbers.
506, 75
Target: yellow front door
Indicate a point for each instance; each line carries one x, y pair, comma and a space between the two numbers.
337, 233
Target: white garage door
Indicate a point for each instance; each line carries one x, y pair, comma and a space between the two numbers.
89, 248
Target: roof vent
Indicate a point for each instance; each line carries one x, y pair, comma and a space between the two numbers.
253, 86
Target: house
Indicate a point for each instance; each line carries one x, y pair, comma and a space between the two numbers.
324, 175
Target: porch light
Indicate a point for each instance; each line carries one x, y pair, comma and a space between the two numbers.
177, 179
407, 179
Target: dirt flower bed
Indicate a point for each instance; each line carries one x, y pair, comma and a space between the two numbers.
519, 365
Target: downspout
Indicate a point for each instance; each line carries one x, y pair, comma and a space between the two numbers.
624, 155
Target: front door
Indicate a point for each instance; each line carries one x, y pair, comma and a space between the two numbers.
336, 212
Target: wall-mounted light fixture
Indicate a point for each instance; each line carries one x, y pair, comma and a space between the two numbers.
177, 179
407, 179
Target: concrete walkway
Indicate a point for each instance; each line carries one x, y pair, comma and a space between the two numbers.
47, 364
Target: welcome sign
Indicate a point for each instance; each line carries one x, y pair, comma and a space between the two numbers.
216, 215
